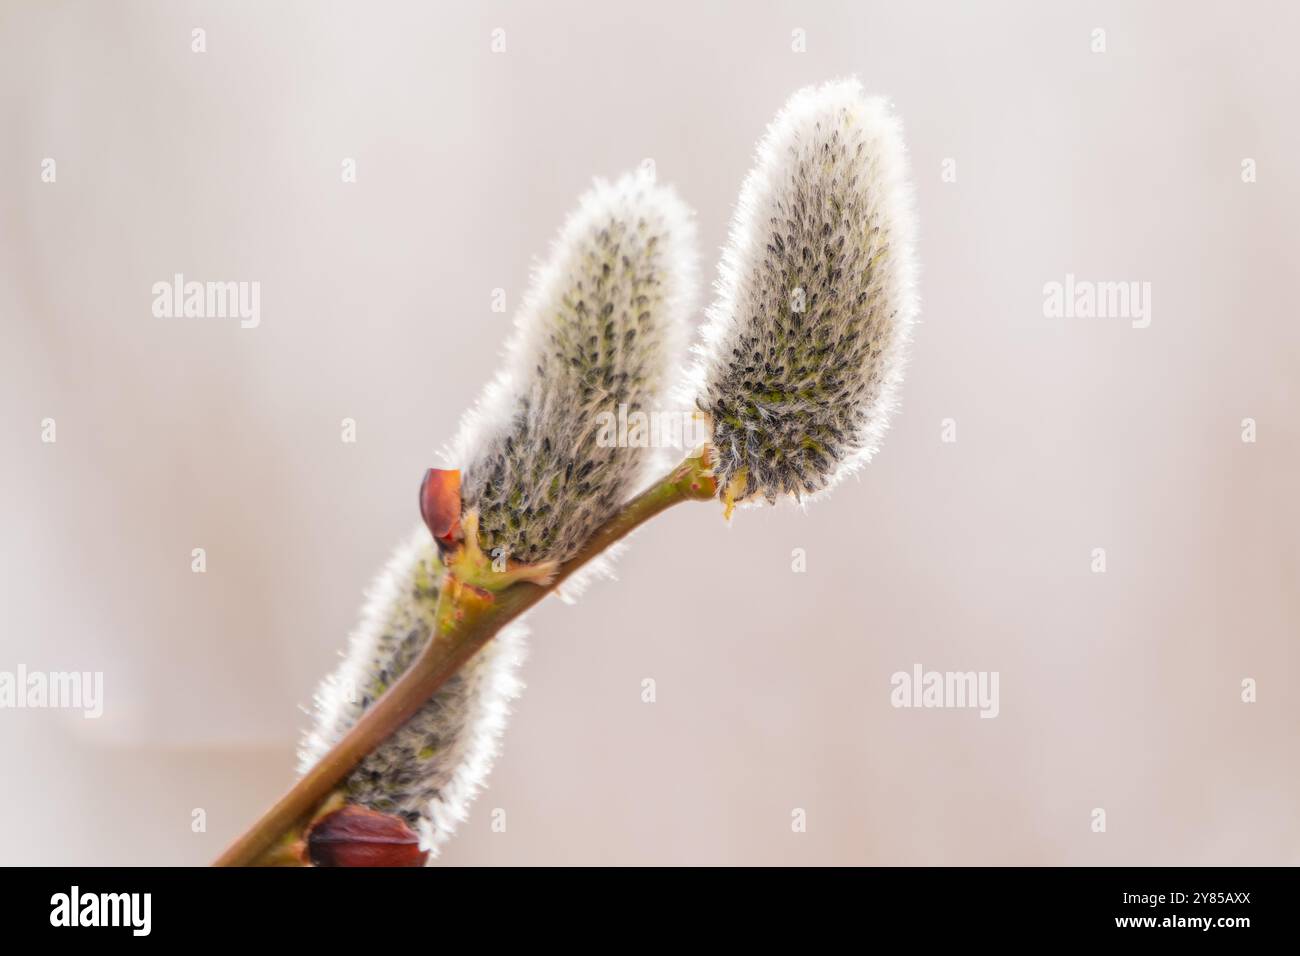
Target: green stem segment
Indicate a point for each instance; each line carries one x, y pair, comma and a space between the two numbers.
463, 628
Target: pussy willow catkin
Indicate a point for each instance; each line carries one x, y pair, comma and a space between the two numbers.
600, 327
803, 350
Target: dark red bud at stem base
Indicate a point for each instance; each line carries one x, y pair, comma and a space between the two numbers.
356, 836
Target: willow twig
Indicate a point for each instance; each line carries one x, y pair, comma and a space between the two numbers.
461, 631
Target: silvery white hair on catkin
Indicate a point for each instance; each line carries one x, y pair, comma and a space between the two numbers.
603, 325
600, 326
805, 342
432, 768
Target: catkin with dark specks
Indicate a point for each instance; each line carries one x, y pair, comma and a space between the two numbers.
804, 346
600, 327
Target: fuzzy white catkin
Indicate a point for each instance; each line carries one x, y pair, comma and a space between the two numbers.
804, 346
432, 768
601, 326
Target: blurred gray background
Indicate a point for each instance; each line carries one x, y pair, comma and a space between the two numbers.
1119, 691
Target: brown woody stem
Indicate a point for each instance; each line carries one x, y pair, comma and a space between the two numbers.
462, 630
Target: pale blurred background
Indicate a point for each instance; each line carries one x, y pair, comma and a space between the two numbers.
1119, 691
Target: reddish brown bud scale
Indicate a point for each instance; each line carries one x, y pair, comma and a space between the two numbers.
440, 505
356, 836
